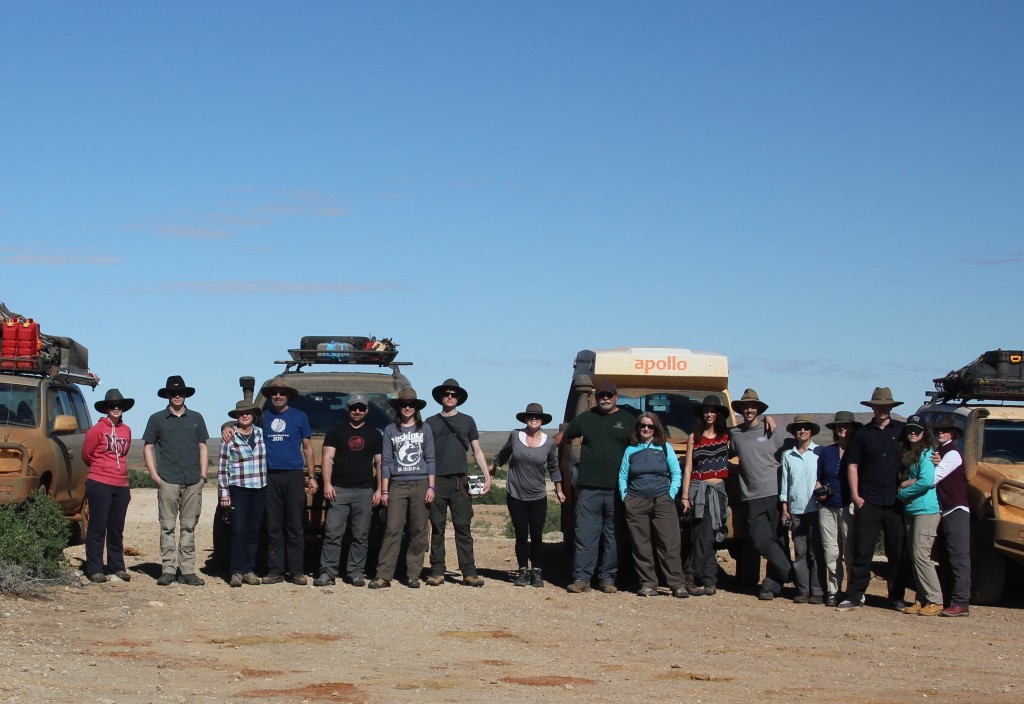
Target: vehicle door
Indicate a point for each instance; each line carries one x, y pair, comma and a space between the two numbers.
71, 472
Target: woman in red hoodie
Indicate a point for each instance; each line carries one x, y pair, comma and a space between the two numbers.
104, 450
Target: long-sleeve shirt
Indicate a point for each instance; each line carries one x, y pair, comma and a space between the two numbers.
527, 465
649, 470
799, 475
242, 464
104, 450
920, 498
408, 453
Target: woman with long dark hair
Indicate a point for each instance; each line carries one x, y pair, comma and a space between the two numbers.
649, 479
920, 513
704, 493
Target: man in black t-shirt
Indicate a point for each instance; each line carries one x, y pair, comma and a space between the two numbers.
351, 479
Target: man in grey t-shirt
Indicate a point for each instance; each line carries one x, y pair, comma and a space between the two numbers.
758, 447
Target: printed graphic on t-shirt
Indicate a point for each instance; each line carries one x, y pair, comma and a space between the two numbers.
356, 443
408, 450
278, 425
116, 446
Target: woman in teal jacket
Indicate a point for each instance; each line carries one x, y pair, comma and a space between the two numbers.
921, 513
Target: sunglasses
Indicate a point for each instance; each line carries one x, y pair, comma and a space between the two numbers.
357, 409
176, 394
449, 394
532, 417
916, 431
406, 404
803, 427
646, 426
604, 395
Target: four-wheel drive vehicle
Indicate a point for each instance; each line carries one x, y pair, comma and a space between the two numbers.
669, 382
43, 421
323, 396
992, 446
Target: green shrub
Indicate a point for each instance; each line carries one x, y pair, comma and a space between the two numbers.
33, 536
496, 496
140, 479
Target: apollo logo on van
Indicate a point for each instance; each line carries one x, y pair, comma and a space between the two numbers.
669, 364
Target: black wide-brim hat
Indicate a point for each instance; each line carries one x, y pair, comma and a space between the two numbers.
407, 395
111, 398
175, 383
711, 401
462, 394
534, 409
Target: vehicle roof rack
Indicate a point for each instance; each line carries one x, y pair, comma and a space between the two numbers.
344, 350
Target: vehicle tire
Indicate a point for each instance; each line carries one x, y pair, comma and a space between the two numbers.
988, 566
79, 529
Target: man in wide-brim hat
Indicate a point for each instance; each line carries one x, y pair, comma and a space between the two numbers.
873, 459
758, 447
955, 524
455, 437
177, 460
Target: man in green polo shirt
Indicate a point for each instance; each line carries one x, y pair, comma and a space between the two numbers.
176, 457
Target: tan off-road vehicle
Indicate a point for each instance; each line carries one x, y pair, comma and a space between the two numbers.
986, 401
43, 421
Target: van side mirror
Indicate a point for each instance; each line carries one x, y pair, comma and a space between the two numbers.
65, 425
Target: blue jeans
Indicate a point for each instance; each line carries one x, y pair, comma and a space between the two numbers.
356, 504
246, 516
595, 519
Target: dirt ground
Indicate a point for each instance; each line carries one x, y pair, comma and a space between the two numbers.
137, 642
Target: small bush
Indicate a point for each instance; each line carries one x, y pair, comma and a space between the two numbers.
140, 479
33, 536
496, 496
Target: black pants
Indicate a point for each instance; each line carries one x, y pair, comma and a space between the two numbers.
868, 521
763, 526
448, 493
286, 503
528, 520
955, 530
108, 506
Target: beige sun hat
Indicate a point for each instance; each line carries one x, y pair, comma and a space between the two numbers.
750, 396
882, 396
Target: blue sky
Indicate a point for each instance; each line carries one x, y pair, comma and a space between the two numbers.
829, 193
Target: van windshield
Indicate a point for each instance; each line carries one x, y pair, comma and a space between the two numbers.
1003, 442
19, 405
328, 408
674, 410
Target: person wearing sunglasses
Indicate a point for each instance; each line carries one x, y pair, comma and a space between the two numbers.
530, 453
104, 451
835, 517
800, 509
649, 479
920, 513
177, 459
242, 482
407, 489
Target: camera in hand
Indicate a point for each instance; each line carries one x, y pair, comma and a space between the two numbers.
823, 492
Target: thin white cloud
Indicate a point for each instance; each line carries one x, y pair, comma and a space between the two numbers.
1008, 259
58, 260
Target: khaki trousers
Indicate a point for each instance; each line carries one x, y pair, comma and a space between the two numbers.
179, 503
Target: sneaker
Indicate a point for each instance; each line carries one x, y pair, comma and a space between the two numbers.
710, 590
913, 610
607, 588
250, 578
471, 580
191, 580
931, 610
435, 580
816, 599
766, 595
380, 583
681, 593
848, 605
578, 587
298, 579
802, 598
123, 575
535, 578
413, 584
273, 578
324, 580
99, 578
236, 580
166, 579
831, 601
523, 578
898, 605
358, 582
648, 591
955, 611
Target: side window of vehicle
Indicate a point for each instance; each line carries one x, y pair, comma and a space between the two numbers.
81, 409
57, 404
65, 402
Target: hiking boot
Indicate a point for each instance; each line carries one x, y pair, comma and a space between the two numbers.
236, 580
380, 583
250, 578
471, 580
848, 605
166, 579
99, 578
710, 590
899, 605
435, 580
578, 587
802, 598
123, 575
607, 588
955, 611
523, 579
647, 591
191, 580
413, 584
299, 579
930, 610
358, 582
913, 610
273, 578
766, 595
816, 600
681, 593
694, 589
535, 578
324, 580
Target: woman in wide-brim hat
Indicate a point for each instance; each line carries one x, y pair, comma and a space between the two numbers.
704, 474
531, 454
921, 515
104, 450
835, 516
241, 482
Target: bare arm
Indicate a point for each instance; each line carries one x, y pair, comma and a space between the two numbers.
204, 460
327, 471
684, 494
307, 454
376, 473
481, 461
147, 454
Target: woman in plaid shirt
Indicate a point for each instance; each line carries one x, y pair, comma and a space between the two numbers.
241, 478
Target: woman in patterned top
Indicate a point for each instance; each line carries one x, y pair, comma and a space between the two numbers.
704, 493
241, 479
